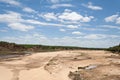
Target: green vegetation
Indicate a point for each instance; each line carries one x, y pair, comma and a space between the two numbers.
115, 49
12, 48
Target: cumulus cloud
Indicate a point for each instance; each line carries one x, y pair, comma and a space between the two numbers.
113, 18
66, 16
20, 26
10, 17
92, 7
70, 16
54, 6
74, 16
14, 20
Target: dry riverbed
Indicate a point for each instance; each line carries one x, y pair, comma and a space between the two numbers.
61, 65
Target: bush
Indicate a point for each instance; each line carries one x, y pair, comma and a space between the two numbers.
115, 49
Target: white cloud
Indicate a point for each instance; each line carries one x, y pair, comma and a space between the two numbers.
74, 16
91, 6
42, 23
100, 36
94, 29
72, 26
11, 2
110, 26
118, 20
16, 3
54, 6
95, 36
34, 38
20, 26
68, 16
111, 18
62, 30
10, 17
77, 33
87, 19
29, 10
49, 16
14, 20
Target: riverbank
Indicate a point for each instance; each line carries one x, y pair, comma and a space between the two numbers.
57, 66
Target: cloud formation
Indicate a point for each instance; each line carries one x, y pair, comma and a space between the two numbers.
29, 10
11, 2
20, 26
77, 33
74, 16
110, 26
15, 21
67, 15
113, 18
72, 26
92, 7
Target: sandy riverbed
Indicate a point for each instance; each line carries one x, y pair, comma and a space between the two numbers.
100, 65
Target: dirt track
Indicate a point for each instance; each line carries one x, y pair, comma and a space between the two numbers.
93, 65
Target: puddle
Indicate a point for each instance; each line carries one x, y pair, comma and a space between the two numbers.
91, 67
88, 67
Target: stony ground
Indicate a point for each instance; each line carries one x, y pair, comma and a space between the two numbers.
91, 65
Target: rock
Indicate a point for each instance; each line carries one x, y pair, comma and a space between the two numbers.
74, 75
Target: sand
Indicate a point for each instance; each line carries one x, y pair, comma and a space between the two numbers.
98, 65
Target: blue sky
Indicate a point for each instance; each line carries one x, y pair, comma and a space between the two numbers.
83, 23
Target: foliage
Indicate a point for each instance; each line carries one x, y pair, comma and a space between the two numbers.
115, 49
